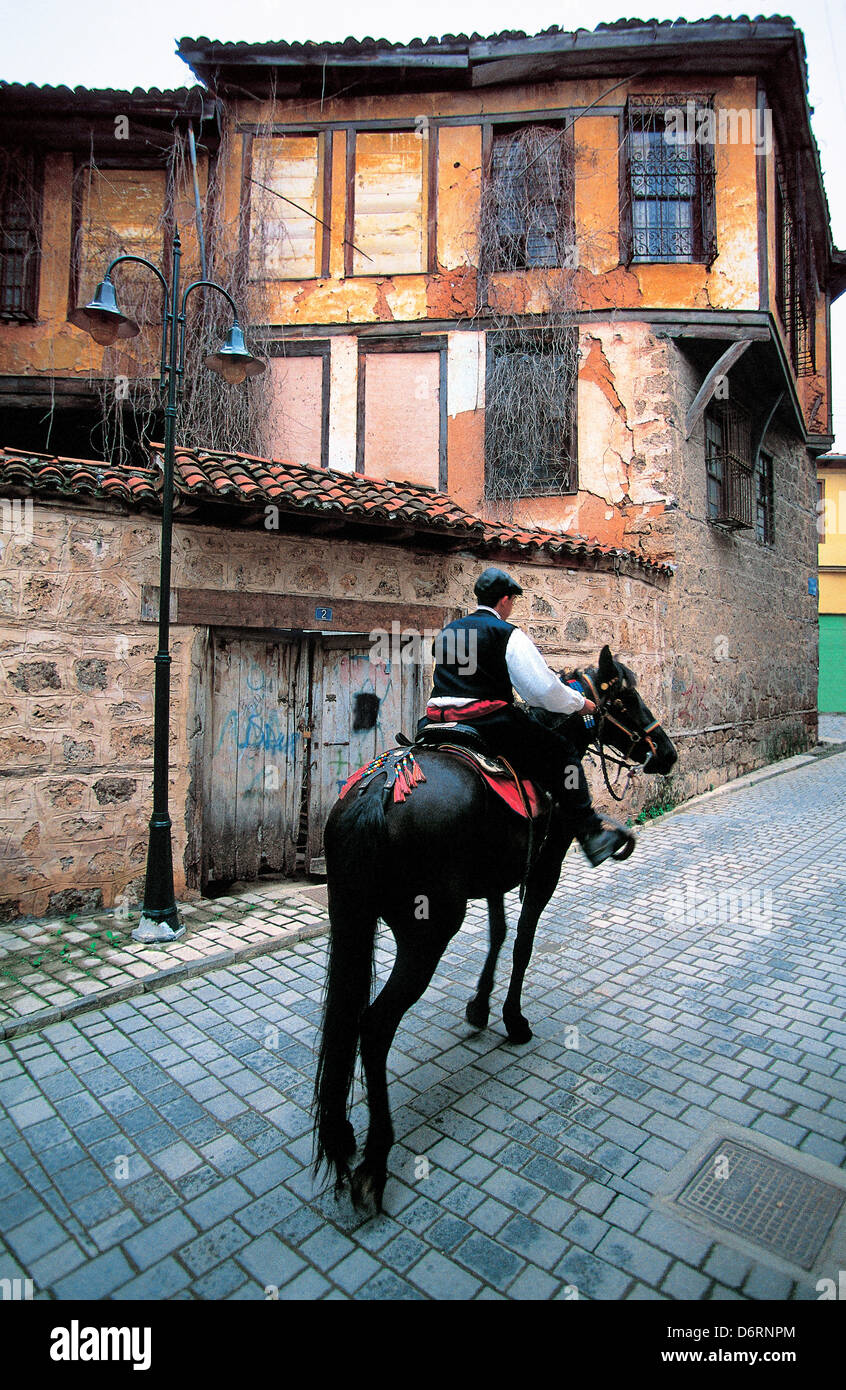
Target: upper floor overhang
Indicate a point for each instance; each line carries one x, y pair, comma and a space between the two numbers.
772, 50
65, 118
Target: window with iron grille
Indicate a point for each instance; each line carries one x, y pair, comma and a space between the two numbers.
527, 200
20, 215
728, 465
530, 415
795, 297
667, 205
764, 509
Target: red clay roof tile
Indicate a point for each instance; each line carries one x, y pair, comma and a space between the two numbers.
295, 487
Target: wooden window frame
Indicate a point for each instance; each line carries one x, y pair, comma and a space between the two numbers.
134, 165
764, 499
731, 504
325, 218
512, 124
436, 342
32, 175
704, 249
534, 337
309, 347
430, 193
795, 301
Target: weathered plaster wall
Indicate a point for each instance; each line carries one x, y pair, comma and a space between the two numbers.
76, 673
52, 346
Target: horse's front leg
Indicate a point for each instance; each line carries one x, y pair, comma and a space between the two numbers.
539, 889
478, 1009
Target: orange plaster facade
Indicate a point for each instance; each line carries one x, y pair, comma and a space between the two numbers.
623, 472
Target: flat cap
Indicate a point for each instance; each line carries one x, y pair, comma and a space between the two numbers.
494, 584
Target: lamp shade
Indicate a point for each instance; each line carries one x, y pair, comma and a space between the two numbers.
102, 317
233, 361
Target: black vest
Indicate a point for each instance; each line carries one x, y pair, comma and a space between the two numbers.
470, 659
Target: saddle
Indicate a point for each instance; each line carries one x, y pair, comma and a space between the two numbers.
403, 772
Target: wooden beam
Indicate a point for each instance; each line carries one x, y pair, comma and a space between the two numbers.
316, 612
721, 367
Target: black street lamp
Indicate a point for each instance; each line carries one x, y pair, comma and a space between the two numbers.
106, 324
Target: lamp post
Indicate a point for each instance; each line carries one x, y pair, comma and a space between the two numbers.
106, 324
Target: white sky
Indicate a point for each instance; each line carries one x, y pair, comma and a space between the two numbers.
111, 43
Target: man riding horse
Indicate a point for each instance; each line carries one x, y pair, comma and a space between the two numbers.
480, 661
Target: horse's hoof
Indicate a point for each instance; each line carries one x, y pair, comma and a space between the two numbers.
366, 1190
477, 1013
517, 1028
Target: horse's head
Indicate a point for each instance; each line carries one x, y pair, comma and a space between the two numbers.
626, 722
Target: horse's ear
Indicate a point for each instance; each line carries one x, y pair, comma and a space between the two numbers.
607, 669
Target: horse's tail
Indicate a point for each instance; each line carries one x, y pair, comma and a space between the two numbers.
355, 841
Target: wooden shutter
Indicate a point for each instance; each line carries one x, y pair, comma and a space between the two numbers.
389, 226
121, 213
284, 207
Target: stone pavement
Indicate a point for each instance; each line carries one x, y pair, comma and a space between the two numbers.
159, 1148
832, 728
51, 969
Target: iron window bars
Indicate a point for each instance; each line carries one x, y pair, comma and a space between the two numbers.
729, 466
20, 218
530, 415
795, 299
764, 507
668, 209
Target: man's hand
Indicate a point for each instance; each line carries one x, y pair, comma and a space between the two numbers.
589, 707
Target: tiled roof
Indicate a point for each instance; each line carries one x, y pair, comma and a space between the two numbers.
226, 51
244, 480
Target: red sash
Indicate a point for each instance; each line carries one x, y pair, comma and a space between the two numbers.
459, 714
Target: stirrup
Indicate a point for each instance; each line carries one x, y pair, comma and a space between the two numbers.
631, 839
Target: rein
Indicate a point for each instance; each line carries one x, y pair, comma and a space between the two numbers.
634, 736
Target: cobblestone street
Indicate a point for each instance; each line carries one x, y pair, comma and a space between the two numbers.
159, 1146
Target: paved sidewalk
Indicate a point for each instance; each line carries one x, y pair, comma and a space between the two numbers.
54, 968
832, 728
159, 1148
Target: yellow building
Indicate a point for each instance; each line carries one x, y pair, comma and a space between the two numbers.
831, 475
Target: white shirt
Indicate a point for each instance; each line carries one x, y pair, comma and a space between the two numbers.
530, 676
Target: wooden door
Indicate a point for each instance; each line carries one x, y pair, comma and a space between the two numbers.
255, 784
357, 708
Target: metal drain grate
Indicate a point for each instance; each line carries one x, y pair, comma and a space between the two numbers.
764, 1201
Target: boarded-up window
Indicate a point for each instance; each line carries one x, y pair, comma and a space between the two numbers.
285, 191
389, 226
297, 429
401, 431
121, 213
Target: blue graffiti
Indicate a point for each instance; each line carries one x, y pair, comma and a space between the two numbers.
258, 733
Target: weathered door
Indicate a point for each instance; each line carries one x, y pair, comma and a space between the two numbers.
291, 718
254, 793
358, 706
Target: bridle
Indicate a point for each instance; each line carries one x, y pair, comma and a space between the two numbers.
603, 716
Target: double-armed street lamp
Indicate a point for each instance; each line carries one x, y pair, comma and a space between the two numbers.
106, 324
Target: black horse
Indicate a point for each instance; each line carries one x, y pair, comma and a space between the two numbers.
416, 864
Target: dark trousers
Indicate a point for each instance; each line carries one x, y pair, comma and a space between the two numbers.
545, 757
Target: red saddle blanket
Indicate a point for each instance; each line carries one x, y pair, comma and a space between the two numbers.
403, 773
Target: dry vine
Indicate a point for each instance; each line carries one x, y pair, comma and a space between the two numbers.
526, 227
212, 414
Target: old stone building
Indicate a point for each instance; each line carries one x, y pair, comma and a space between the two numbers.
517, 303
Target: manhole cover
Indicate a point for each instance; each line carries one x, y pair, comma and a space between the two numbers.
763, 1200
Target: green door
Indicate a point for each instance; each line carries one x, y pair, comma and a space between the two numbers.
832, 696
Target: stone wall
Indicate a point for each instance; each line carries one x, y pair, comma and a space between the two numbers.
740, 682
76, 672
